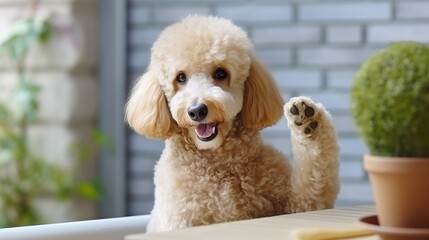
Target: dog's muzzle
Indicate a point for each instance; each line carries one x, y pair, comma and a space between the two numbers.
198, 112
206, 131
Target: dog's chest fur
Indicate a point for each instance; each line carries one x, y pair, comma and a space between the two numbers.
225, 184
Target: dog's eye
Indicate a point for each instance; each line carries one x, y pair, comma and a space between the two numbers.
220, 74
181, 78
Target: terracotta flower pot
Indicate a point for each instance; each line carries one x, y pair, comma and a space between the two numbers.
401, 190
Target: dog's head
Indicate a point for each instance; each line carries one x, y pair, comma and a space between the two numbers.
202, 75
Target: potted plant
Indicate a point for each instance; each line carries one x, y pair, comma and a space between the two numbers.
390, 106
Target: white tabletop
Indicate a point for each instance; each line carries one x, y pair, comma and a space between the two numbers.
277, 227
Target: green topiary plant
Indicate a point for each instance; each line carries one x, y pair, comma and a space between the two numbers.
390, 101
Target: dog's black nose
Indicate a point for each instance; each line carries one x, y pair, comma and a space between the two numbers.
198, 112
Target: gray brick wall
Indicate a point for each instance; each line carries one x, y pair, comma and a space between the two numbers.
344, 11
312, 47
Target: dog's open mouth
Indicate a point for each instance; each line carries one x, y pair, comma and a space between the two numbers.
206, 131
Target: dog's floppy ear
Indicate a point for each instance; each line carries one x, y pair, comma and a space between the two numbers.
263, 103
147, 111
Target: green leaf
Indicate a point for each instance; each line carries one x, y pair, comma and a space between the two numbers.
90, 190
26, 95
42, 29
23, 34
4, 112
6, 155
102, 140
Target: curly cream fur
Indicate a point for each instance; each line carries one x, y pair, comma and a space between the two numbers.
234, 176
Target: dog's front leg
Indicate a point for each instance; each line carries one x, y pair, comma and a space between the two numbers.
165, 219
314, 181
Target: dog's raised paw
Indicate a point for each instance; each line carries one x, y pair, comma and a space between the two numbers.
303, 115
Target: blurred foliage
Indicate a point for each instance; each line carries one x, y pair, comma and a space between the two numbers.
390, 99
24, 176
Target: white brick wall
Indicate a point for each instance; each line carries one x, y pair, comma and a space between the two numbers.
65, 69
66, 98
312, 47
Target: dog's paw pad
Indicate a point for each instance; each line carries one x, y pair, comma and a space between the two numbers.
311, 127
309, 111
303, 115
294, 110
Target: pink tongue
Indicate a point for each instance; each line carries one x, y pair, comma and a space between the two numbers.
205, 130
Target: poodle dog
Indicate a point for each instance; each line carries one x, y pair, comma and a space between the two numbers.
208, 97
